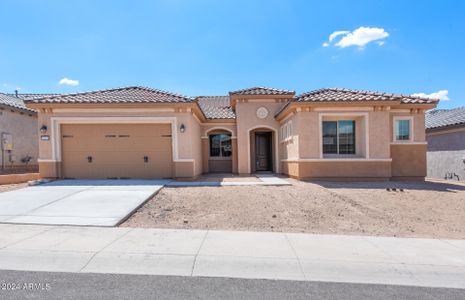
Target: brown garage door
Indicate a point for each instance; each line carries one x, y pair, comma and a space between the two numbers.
116, 151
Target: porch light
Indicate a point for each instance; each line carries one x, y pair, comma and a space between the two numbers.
182, 128
43, 129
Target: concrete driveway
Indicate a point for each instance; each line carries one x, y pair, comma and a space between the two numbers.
77, 202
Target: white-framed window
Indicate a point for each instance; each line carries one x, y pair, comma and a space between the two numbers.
403, 129
286, 131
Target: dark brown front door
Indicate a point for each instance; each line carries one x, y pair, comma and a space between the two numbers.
263, 160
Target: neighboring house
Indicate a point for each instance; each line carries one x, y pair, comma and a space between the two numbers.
18, 134
445, 133
138, 132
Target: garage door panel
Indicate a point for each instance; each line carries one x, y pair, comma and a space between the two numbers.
144, 143
152, 156
117, 150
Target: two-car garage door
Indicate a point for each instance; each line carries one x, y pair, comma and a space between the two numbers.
116, 151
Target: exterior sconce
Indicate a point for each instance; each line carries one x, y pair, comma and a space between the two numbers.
43, 129
182, 128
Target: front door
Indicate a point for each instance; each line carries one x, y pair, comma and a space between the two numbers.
263, 155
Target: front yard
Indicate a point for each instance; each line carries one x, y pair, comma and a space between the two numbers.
422, 209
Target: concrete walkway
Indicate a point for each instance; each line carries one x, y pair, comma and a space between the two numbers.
77, 202
289, 256
262, 180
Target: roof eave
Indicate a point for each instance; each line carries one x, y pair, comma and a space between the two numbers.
25, 110
445, 127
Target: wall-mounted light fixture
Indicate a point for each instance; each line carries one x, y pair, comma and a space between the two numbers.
182, 128
43, 129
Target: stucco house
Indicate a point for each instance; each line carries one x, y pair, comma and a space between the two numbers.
18, 133
139, 132
445, 133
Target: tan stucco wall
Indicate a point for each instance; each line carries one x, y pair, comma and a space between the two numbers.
378, 122
343, 169
306, 141
380, 138
189, 147
409, 160
246, 113
18, 178
380, 131
192, 145
419, 133
49, 169
23, 128
218, 127
194, 133
289, 148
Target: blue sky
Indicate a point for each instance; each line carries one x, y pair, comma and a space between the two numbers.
212, 47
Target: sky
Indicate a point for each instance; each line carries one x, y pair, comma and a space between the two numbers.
212, 47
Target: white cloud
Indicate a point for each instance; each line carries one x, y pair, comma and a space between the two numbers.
441, 95
359, 37
335, 34
67, 81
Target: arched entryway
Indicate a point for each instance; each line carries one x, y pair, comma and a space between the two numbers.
262, 150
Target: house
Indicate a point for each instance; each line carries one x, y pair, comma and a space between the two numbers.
445, 133
139, 132
18, 134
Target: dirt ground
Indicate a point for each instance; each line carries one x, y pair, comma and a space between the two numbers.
10, 187
422, 209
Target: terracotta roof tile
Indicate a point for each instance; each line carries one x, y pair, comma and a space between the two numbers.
25, 96
216, 107
348, 95
133, 94
262, 91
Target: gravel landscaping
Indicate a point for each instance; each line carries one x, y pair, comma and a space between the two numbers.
415, 209
11, 187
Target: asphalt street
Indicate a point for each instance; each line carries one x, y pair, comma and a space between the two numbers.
47, 285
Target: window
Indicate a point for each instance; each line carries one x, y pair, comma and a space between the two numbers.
286, 131
402, 130
220, 145
339, 137
330, 137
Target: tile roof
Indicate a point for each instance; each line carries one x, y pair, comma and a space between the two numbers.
133, 94
347, 95
216, 107
262, 91
438, 118
13, 102
31, 96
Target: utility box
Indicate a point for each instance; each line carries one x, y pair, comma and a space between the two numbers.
7, 142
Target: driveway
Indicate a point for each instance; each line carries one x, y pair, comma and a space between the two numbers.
77, 202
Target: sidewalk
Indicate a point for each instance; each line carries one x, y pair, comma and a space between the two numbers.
265, 179
288, 256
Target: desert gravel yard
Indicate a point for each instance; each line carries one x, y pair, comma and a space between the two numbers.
11, 187
422, 209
